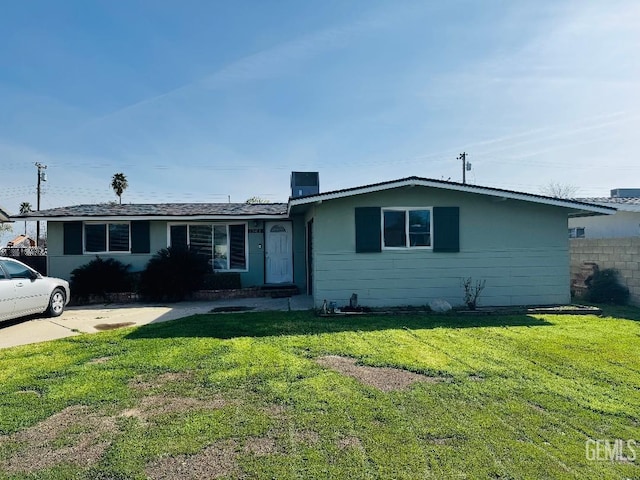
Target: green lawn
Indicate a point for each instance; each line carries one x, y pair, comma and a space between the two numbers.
241, 395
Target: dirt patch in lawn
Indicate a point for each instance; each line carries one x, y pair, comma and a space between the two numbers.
275, 411
215, 461
153, 406
306, 436
382, 378
112, 326
73, 436
260, 446
349, 442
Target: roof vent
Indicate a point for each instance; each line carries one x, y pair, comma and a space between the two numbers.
625, 193
304, 183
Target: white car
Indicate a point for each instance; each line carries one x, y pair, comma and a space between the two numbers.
23, 291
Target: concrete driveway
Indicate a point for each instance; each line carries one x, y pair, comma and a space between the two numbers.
85, 319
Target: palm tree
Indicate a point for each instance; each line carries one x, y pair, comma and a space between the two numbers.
119, 184
25, 207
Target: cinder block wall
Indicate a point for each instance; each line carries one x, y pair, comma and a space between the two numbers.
623, 254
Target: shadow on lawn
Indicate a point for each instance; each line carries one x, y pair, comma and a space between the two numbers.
267, 324
627, 312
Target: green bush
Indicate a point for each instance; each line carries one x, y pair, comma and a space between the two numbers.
101, 276
172, 274
604, 287
221, 281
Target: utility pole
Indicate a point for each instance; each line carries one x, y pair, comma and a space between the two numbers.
463, 157
42, 177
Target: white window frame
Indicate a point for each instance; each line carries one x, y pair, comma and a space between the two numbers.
115, 252
406, 210
573, 232
218, 224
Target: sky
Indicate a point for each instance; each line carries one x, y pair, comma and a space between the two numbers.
210, 101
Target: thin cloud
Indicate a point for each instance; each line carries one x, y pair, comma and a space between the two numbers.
273, 62
268, 63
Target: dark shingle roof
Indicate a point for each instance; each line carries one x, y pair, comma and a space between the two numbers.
614, 200
631, 204
151, 210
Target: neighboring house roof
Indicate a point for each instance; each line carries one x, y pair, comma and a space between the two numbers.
4, 216
20, 239
628, 204
577, 207
162, 211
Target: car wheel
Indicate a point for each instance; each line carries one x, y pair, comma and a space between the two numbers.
56, 303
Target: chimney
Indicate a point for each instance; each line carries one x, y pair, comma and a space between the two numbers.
304, 183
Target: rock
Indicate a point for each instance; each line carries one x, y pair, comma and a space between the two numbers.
439, 305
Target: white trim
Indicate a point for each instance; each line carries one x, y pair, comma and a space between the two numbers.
557, 202
212, 224
407, 246
106, 224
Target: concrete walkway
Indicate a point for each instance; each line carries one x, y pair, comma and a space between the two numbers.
79, 320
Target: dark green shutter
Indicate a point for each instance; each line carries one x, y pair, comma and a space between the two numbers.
72, 233
237, 248
446, 229
368, 236
140, 242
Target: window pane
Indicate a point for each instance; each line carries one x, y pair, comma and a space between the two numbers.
200, 239
178, 237
419, 228
220, 247
16, 270
238, 258
394, 229
580, 232
95, 238
118, 237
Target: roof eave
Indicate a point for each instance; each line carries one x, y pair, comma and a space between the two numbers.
558, 202
162, 218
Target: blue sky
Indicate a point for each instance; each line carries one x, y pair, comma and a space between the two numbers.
201, 101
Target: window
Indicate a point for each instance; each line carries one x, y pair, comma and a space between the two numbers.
577, 232
107, 237
406, 227
16, 270
221, 248
223, 244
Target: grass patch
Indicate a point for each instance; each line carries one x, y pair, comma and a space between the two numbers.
244, 395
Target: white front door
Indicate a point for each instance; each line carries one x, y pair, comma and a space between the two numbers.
279, 252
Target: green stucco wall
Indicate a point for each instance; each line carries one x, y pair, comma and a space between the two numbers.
519, 248
61, 265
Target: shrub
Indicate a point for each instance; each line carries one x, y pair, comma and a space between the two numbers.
172, 274
101, 276
472, 292
604, 287
221, 281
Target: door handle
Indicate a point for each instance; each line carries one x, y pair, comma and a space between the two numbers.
19, 284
